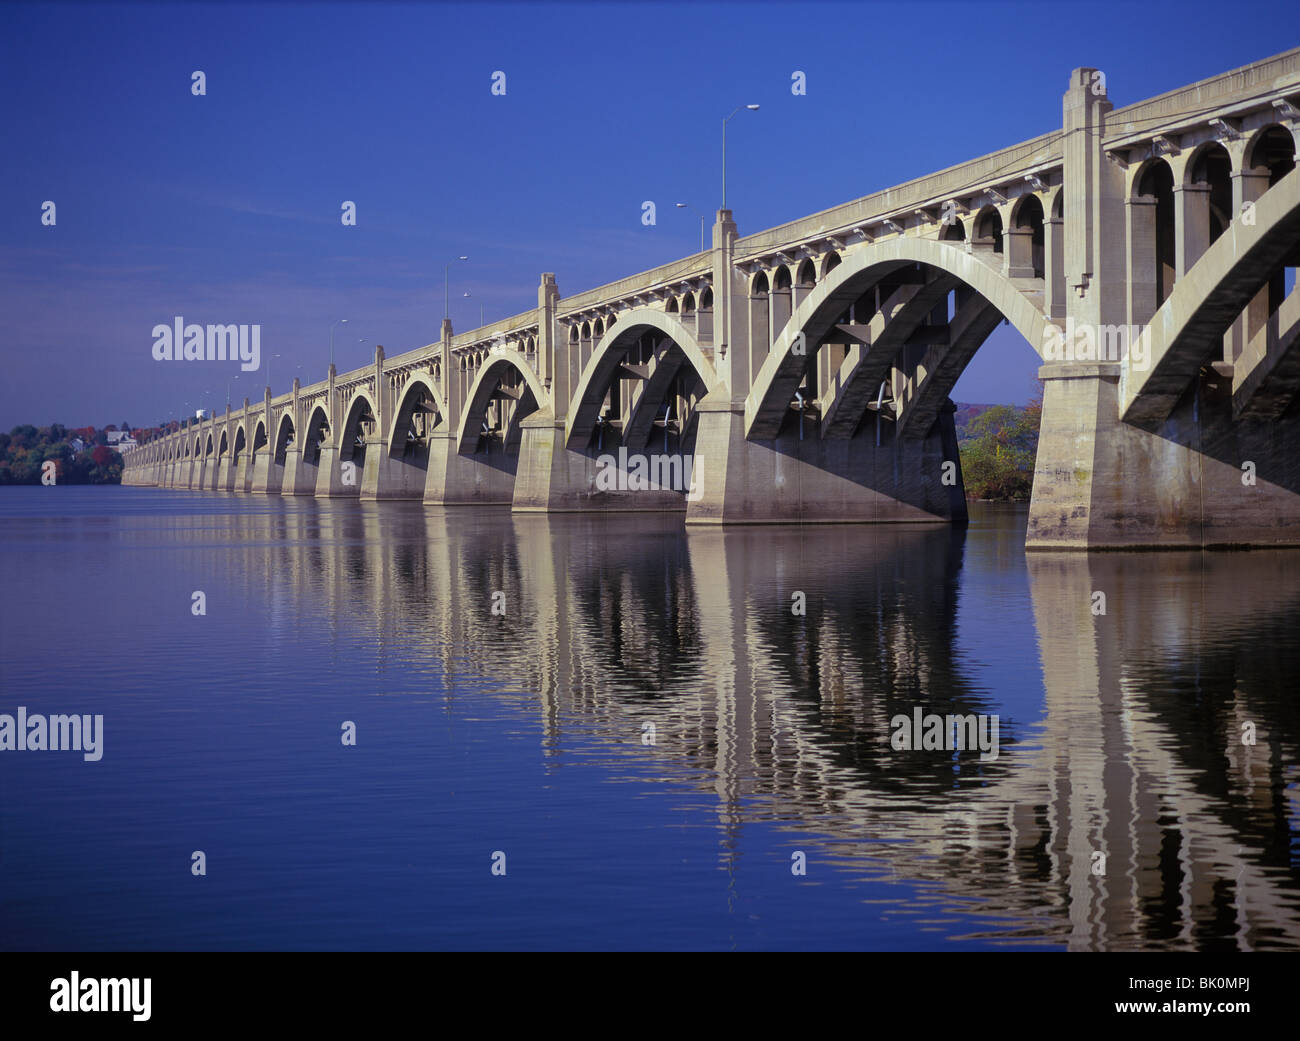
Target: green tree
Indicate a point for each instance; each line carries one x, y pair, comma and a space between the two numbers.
998, 452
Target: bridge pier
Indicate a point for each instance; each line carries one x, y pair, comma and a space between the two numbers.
242, 474
453, 479
1102, 483
299, 475
268, 475
330, 481
818, 480
386, 476
553, 478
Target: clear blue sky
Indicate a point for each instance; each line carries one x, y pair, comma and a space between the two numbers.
225, 208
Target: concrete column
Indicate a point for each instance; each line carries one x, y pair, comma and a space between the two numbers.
383, 394
552, 343
585, 341
729, 296
1247, 187
782, 308
704, 324
1054, 303
760, 335
1093, 207
1079, 398
1143, 277
1191, 225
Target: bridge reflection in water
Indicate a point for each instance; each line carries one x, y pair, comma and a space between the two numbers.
1120, 733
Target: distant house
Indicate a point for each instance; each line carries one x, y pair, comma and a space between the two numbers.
120, 439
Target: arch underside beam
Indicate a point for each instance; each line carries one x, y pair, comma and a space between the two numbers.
669, 363
870, 361
1267, 390
1185, 332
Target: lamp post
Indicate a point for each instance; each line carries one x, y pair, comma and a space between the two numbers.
228, 391
446, 293
751, 108
688, 206
269, 385
341, 321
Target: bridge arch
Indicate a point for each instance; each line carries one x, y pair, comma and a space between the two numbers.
316, 434
419, 395
284, 436
501, 362
783, 369
988, 229
259, 434
609, 355
1271, 148
361, 410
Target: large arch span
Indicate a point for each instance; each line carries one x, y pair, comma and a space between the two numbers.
608, 360
1019, 301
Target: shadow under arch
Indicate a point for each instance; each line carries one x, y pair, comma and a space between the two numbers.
783, 370
532, 398
421, 393
608, 357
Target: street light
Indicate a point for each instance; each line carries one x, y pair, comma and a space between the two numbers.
269, 385
688, 206
228, 391
341, 321
446, 294
751, 108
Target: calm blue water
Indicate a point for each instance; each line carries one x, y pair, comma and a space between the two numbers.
525, 733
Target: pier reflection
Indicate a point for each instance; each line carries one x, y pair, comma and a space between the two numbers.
1125, 813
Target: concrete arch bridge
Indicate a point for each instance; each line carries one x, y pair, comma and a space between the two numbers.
804, 373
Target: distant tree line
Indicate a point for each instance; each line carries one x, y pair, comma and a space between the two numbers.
82, 454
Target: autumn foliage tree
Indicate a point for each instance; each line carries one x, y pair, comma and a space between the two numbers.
998, 452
